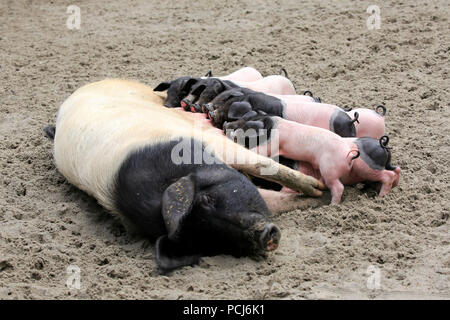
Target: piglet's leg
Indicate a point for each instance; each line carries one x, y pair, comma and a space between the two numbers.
388, 179
337, 188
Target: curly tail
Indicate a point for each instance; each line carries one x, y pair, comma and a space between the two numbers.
50, 132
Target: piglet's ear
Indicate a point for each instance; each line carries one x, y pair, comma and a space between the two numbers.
198, 89
188, 85
162, 86
238, 109
177, 202
171, 255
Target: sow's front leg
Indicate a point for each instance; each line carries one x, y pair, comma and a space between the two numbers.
249, 162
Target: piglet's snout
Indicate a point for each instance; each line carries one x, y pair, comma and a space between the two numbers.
185, 103
270, 237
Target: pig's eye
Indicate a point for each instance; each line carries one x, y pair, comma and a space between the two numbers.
206, 202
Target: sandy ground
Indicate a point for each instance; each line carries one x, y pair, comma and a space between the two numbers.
328, 252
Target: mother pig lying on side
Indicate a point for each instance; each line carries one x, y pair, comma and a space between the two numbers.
164, 177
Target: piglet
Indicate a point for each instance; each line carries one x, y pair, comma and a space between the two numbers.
371, 122
179, 88
206, 90
234, 103
338, 160
322, 115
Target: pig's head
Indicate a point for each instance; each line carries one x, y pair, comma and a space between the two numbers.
176, 90
214, 210
374, 163
217, 109
203, 92
210, 88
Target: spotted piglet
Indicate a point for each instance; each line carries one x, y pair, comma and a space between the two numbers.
338, 160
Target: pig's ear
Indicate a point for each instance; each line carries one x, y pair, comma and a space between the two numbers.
198, 89
163, 86
171, 255
237, 110
177, 202
188, 85
233, 94
226, 86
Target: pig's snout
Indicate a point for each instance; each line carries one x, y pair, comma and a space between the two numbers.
270, 237
196, 108
185, 103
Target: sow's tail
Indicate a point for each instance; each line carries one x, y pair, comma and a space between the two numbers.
50, 132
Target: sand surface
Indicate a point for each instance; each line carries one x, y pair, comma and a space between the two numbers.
403, 240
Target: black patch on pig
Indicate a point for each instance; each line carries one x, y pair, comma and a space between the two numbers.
342, 124
376, 156
194, 208
50, 131
258, 101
